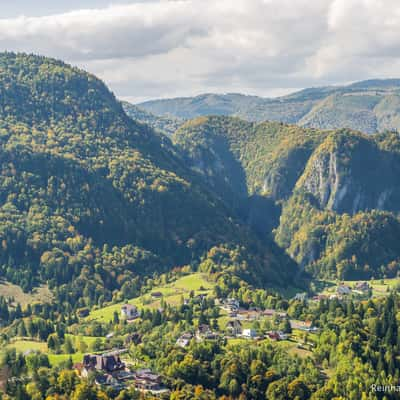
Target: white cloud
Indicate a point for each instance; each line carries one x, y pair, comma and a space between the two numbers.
169, 48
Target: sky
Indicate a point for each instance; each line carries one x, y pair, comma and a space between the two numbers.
145, 49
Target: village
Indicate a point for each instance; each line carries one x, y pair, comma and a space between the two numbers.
109, 369
113, 367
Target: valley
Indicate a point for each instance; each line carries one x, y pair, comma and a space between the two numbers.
146, 255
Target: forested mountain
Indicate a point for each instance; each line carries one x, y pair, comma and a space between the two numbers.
338, 190
368, 106
91, 198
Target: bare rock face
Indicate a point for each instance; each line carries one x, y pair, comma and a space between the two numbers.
349, 173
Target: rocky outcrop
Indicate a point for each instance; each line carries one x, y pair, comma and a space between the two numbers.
350, 173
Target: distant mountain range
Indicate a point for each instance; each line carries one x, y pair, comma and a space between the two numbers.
368, 106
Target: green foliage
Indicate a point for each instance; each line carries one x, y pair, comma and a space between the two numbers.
91, 199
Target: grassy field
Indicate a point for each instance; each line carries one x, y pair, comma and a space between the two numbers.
23, 346
171, 294
40, 294
56, 359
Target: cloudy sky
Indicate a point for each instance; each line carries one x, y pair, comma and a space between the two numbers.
148, 49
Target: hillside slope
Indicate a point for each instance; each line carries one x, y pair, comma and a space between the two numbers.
91, 198
335, 194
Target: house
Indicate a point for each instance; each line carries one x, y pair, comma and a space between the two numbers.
273, 335
362, 286
108, 380
147, 381
129, 311
204, 332
82, 312
301, 325
231, 305
343, 290
277, 335
336, 297
234, 327
104, 363
232, 302
282, 336
268, 312
300, 296
184, 340
319, 297
249, 333
203, 329
305, 326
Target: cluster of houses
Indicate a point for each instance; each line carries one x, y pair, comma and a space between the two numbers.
362, 288
233, 329
203, 332
233, 309
342, 290
110, 370
231, 306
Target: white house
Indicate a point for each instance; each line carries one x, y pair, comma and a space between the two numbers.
129, 311
343, 290
249, 333
231, 305
282, 336
300, 296
184, 340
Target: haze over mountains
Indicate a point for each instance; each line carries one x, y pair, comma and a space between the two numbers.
368, 106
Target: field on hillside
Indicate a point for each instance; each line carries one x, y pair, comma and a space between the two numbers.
171, 294
24, 346
40, 294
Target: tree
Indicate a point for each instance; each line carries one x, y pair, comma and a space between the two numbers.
66, 381
84, 391
115, 318
53, 343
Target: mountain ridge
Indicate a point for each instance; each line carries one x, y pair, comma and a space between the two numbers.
368, 106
